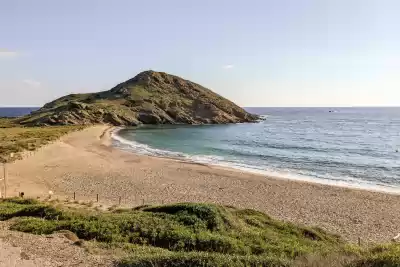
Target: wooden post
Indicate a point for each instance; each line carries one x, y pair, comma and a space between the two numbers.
119, 201
1, 190
359, 241
6, 175
97, 197
5, 179
74, 196
143, 201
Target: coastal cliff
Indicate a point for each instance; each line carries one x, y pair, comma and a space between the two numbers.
148, 98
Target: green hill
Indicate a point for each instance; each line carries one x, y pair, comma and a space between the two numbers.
148, 98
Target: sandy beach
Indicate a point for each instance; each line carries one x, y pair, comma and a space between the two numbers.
85, 162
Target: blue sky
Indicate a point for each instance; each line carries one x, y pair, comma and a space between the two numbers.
255, 52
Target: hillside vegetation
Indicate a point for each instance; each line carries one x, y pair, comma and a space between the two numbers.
191, 234
148, 98
16, 139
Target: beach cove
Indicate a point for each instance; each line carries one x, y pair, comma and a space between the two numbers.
86, 163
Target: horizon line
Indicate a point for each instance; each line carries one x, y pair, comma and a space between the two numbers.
33, 106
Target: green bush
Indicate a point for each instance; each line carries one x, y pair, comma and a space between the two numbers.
191, 214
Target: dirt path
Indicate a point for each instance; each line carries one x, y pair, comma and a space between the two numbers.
27, 250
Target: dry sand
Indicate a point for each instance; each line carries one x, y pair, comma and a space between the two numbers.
85, 163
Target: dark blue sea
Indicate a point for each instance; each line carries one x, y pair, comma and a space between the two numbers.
353, 147
15, 112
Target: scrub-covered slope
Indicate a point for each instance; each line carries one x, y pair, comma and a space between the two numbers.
149, 98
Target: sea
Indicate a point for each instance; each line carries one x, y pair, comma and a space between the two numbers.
15, 112
350, 147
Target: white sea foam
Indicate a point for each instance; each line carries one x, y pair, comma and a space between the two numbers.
349, 182
142, 148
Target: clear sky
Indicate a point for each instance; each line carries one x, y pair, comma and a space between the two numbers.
255, 52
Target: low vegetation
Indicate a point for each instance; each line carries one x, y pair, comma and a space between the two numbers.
16, 139
191, 234
8, 122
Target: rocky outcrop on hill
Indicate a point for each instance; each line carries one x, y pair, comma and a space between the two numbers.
148, 98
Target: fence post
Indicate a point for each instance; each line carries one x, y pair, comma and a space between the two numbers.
5, 179
74, 196
97, 197
359, 241
119, 201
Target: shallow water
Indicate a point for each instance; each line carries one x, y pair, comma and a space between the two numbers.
355, 147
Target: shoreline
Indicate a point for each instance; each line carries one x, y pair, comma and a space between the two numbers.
386, 189
85, 162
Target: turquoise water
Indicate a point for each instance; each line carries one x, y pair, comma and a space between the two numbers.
356, 147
